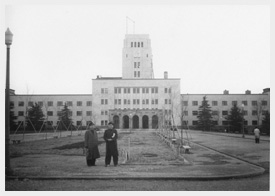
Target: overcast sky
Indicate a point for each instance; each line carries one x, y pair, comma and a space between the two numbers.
59, 49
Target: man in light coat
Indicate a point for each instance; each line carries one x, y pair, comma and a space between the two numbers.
91, 145
257, 135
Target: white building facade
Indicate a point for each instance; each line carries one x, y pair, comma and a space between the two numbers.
138, 100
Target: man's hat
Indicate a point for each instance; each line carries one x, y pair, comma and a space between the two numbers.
110, 123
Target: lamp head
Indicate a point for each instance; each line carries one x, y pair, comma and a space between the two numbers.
8, 37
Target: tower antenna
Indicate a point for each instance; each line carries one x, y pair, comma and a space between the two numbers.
127, 18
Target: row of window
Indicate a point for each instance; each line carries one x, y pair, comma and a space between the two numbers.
136, 44
225, 113
50, 103
225, 103
224, 123
137, 101
136, 90
59, 113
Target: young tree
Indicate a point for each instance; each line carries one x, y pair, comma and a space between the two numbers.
266, 123
13, 124
65, 117
36, 116
205, 115
235, 119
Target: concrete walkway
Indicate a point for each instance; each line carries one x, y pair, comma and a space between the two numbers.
212, 156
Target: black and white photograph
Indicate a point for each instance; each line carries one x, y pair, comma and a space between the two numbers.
136, 95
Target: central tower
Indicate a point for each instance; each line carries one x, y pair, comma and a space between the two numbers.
137, 60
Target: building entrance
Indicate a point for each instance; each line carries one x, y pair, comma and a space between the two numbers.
135, 122
116, 122
126, 122
145, 122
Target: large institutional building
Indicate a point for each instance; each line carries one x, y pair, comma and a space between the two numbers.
138, 100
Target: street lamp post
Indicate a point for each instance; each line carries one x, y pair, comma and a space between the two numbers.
243, 119
8, 42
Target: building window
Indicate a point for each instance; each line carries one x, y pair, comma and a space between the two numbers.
264, 103
245, 112
135, 44
254, 122
185, 113
127, 91
254, 112
104, 101
194, 122
135, 74
244, 103
185, 103
79, 103
11, 103
224, 103
195, 113
125, 101
102, 112
20, 113
194, 103
117, 90
79, 113
234, 103
40, 103
70, 113
50, 103
166, 101
147, 101
59, 113
245, 122
88, 113
119, 101
264, 112
138, 65
89, 103
21, 103
115, 101
152, 101
170, 101
129, 102
49, 113
138, 74
215, 113
141, 44
143, 101
224, 113
165, 90
156, 101
59, 103
78, 123
135, 64
131, 44
137, 101
30, 103
254, 103
104, 90
138, 44
102, 123
214, 103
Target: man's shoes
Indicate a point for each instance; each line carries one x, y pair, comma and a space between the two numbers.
107, 165
115, 165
